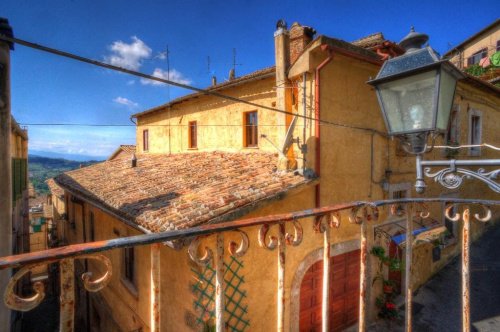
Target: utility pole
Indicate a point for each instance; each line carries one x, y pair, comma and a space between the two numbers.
5, 166
168, 73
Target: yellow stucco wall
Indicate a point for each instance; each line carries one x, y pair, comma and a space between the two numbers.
219, 121
486, 40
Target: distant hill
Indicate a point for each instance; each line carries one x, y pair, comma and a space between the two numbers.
67, 156
43, 168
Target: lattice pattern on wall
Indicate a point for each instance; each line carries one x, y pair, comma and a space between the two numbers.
204, 291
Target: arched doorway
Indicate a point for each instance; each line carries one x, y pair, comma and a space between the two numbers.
343, 293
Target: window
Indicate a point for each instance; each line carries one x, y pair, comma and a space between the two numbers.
475, 132
250, 138
453, 134
91, 221
129, 269
400, 191
193, 135
498, 45
476, 57
145, 140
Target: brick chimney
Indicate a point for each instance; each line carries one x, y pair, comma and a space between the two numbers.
282, 60
300, 37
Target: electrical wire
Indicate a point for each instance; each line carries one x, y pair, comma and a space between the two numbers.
148, 125
486, 145
180, 85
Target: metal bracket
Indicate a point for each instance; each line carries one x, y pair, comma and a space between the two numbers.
452, 175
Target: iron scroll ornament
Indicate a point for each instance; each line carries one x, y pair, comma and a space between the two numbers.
452, 178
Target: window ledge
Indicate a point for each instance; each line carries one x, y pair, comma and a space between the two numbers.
193, 149
130, 287
251, 147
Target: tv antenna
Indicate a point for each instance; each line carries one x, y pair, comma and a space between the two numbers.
234, 61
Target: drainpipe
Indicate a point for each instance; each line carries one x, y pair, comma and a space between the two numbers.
304, 129
317, 117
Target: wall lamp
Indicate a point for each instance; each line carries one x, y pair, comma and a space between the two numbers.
415, 92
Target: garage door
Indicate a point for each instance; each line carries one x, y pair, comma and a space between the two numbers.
344, 293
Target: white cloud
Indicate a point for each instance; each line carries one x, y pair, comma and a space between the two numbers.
128, 56
173, 75
131, 82
127, 102
161, 55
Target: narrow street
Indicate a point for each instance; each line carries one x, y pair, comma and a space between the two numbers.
437, 305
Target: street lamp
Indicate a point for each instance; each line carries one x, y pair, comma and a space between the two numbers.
416, 92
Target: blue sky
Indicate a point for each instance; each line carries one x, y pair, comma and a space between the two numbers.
135, 34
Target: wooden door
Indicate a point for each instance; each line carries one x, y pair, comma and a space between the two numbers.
344, 293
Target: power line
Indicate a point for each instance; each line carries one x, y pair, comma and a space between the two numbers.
149, 125
166, 81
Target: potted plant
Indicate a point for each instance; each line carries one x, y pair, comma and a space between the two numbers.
387, 308
388, 286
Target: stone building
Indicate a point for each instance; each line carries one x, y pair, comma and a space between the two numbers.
478, 52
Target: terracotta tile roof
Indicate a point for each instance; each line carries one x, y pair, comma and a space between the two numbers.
54, 188
127, 149
258, 74
37, 201
370, 40
166, 192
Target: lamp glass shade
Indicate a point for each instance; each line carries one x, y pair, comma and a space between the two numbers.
447, 87
408, 103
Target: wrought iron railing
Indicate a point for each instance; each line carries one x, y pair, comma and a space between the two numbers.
324, 220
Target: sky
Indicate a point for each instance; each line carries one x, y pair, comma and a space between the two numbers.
47, 89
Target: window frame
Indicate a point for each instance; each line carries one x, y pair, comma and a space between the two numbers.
129, 274
396, 188
91, 226
476, 57
145, 140
250, 131
192, 134
473, 138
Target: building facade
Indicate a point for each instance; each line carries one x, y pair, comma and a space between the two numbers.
475, 54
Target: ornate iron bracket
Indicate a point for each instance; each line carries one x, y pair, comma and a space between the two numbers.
452, 176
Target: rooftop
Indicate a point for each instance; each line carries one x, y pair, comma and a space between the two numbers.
166, 192
54, 188
128, 149
495, 24
256, 75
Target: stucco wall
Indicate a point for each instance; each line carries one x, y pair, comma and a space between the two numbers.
219, 121
486, 40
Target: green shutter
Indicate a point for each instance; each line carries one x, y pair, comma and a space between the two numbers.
13, 166
24, 174
18, 179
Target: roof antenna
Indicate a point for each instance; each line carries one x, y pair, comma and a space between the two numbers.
233, 71
168, 73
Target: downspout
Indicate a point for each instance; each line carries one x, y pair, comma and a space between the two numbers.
317, 117
304, 129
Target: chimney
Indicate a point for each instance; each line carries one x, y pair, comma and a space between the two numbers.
282, 54
300, 37
231, 74
214, 80
134, 161
282, 60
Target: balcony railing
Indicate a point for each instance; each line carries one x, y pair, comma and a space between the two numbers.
324, 220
